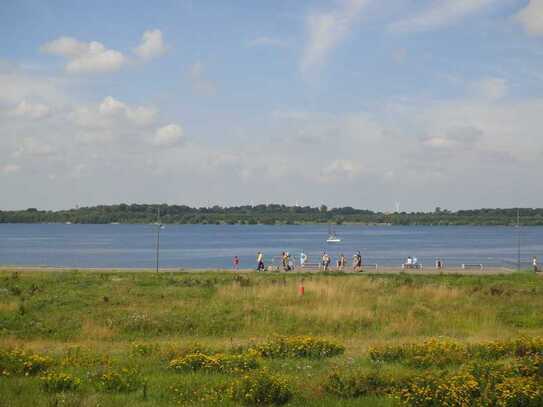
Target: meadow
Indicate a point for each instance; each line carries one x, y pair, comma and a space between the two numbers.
78, 338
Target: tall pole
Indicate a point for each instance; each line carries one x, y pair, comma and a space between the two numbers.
518, 238
158, 239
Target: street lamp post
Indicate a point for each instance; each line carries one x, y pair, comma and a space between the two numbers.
159, 226
518, 239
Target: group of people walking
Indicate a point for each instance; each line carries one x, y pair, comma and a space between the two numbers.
324, 263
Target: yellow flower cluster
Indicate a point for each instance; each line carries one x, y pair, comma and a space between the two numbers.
459, 390
58, 382
519, 391
432, 352
442, 352
214, 363
77, 356
260, 388
18, 361
122, 380
298, 347
189, 395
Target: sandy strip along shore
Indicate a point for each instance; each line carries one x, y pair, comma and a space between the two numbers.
380, 270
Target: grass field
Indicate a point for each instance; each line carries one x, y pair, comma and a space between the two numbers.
144, 339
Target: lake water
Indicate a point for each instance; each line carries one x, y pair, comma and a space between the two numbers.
213, 246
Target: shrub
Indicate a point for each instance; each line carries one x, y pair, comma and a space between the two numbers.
18, 361
432, 352
430, 390
528, 346
215, 363
520, 391
298, 347
188, 395
490, 350
260, 388
123, 380
174, 351
531, 366
438, 352
57, 382
357, 385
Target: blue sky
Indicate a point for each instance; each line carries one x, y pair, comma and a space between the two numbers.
344, 102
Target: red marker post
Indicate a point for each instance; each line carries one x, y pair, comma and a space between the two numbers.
301, 288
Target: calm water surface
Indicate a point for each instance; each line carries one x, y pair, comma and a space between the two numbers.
203, 246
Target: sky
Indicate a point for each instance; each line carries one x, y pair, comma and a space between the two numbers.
362, 103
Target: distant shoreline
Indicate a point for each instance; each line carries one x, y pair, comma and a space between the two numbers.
275, 224
271, 214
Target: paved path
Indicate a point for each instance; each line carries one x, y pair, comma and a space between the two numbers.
380, 270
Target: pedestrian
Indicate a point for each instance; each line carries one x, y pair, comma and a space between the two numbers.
260, 261
324, 261
357, 261
290, 263
287, 262
534, 263
235, 263
303, 259
341, 262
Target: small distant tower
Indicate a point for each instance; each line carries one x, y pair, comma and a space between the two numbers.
397, 207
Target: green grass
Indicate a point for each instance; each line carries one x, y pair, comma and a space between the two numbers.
88, 322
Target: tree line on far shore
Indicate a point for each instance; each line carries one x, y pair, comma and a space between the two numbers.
268, 214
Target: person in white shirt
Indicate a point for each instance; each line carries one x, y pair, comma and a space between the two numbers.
409, 262
534, 263
303, 259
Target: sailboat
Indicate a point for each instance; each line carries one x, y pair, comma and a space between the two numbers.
332, 238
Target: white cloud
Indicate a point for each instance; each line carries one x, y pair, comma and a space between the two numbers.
110, 112
16, 86
9, 169
152, 45
83, 57
33, 147
326, 29
455, 139
31, 110
531, 17
490, 88
340, 170
267, 42
441, 13
168, 136
201, 85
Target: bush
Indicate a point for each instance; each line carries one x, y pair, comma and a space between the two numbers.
175, 351
298, 347
438, 352
358, 385
520, 391
528, 346
216, 363
431, 390
531, 366
57, 382
17, 361
433, 352
260, 388
123, 380
490, 350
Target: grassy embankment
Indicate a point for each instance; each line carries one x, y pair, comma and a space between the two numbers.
115, 334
